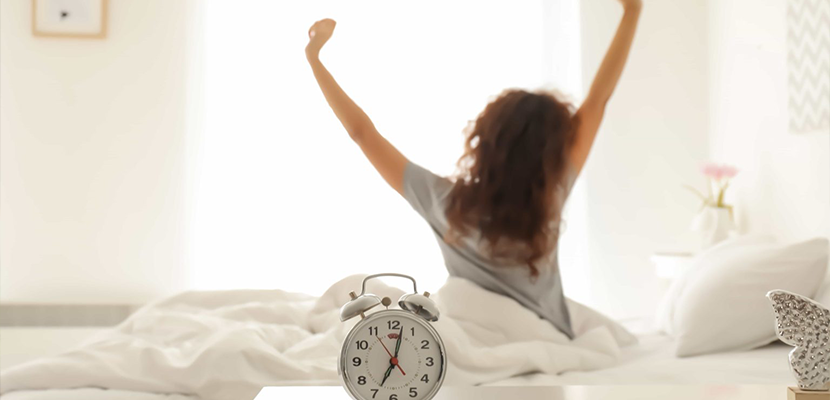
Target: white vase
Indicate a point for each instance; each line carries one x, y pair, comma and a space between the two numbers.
714, 224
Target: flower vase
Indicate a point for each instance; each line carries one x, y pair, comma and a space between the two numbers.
714, 224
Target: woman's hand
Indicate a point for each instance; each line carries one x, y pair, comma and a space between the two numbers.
318, 35
632, 4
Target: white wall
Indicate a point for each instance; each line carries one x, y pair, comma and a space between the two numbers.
95, 162
92, 145
784, 184
653, 140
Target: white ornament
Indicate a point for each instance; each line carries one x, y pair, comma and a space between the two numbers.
805, 324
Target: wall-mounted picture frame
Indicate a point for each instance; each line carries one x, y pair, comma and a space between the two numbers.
80, 19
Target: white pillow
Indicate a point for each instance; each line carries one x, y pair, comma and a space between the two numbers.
665, 309
823, 294
723, 305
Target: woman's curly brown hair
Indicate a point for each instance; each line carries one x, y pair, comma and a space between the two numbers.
515, 157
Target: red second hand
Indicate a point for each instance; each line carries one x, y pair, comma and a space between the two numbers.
393, 360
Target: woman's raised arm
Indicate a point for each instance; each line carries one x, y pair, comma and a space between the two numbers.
386, 159
591, 112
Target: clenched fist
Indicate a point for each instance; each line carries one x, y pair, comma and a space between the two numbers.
635, 5
318, 35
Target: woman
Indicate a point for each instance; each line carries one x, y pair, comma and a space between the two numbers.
497, 222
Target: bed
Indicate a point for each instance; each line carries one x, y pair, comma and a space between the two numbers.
227, 345
651, 361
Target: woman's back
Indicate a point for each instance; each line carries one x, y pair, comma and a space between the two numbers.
467, 258
520, 159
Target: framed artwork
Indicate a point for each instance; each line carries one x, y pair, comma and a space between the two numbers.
808, 59
83, 19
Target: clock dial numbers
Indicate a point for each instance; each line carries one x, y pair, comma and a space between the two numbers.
393, 356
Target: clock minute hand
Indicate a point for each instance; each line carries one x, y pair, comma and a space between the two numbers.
397, 348
398, 343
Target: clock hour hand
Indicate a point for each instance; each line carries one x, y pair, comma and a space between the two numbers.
388, 372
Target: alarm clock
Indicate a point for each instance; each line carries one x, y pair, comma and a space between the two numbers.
392, 354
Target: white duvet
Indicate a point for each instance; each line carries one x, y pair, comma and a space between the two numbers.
229, 344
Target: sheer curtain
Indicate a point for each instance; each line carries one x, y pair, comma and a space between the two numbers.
283, 199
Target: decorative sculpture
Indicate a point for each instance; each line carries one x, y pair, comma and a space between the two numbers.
805, 324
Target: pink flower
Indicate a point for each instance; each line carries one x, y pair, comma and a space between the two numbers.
711, 170
717, 172
729, 171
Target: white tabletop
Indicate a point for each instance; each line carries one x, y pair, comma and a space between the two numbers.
749, 392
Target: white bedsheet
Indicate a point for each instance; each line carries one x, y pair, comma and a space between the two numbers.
91, 394
653, 362
648, 363
227, 345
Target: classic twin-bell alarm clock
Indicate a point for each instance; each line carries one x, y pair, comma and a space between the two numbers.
392, 354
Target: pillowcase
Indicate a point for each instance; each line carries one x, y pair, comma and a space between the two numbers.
723, 305
666, 308
823, 294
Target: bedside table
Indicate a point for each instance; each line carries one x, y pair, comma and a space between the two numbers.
627, 392
671, 265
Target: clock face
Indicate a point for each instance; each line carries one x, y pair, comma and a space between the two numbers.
392, 355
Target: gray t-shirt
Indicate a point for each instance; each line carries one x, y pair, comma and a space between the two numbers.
428, 194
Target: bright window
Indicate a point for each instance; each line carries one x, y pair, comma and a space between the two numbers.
284, 199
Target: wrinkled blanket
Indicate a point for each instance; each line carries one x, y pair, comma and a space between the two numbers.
229, 344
